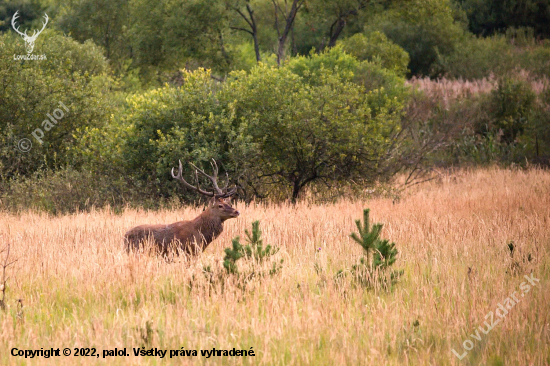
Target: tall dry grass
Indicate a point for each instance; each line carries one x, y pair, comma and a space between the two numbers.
80, 289
459, 88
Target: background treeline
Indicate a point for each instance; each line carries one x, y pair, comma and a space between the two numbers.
293, 98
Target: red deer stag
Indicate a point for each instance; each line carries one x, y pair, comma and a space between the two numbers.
191, 236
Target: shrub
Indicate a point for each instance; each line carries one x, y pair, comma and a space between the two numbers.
376, 47
324, 117
498, 55
509, 108
66, 190
73, 74
161, 126
477, 58
540, 128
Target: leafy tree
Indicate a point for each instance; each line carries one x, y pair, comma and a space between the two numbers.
152, 37
326, 118
246, 12
341, 12
322, 23
73, 74
284, 23
319, 127
193, 33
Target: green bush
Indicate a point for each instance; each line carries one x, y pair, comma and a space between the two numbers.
73, 74
159, 127
508, 124
509, 107
539, 130
324, 117
376, 47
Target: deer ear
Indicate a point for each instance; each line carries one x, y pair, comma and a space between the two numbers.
227, 200
213, 201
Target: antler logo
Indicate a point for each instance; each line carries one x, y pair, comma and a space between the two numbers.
29, 40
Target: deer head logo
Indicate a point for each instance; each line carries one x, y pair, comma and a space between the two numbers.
29, 40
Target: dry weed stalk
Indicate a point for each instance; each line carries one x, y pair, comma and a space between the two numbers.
5, 264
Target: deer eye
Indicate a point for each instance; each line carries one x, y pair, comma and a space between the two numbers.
220, 206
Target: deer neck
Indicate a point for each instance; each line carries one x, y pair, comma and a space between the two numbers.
209, 225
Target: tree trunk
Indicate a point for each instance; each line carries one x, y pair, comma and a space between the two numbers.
251, 21
295, 191
254, 33
335, 33
256, 46
339, 24
289, 21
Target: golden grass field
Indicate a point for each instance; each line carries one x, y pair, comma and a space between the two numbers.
79, 288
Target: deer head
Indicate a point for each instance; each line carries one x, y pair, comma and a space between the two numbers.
220, 204
29, 40
221, 207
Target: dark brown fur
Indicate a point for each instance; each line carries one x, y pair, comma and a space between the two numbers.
188, 236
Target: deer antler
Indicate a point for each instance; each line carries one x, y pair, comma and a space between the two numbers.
15, 16
34, 35
213, 178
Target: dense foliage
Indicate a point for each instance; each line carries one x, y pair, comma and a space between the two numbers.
73, 74
287, 96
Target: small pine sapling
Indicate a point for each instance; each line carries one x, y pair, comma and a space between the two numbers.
384, 253
232, 255
255, 248
367, 238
